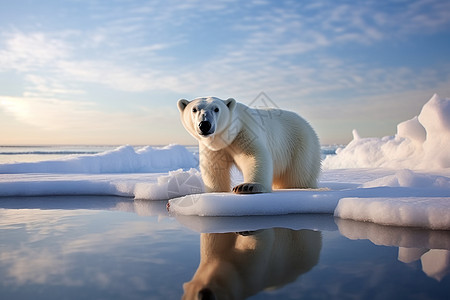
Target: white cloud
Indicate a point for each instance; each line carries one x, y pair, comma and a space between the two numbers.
285, 49
54, 263
51, 67
28, 52
269, 40
41, 86
424, 15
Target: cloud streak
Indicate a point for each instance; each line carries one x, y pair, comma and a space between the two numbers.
270, 40
150, 52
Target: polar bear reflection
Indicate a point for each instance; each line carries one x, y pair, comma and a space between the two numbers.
238, 265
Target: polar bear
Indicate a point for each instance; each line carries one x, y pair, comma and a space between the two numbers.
239, 265
273, 148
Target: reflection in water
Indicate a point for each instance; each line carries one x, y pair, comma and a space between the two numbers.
203, 224
100, 253
238, 265
117, 248
431, 247
435, 262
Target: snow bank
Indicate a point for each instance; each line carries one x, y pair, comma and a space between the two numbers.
149, 186
124, 159
420, 143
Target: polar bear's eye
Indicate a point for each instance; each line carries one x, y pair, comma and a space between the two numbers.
194, 110
216, 109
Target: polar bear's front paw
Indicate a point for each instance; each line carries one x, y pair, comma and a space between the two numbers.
249, 188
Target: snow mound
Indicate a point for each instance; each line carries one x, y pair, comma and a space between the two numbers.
124, 159
148, 186
420, 143
177, 183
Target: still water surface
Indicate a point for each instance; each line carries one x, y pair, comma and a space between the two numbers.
117, 248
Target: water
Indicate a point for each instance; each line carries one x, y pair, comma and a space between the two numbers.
117, 248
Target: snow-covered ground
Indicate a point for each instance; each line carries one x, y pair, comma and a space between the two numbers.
400, 180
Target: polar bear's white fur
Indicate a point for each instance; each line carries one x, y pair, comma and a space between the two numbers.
272, 148
239, 265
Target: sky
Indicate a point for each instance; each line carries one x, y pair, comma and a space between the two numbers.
111, 72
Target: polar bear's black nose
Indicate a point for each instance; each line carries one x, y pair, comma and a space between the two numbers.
204, 126
206, 294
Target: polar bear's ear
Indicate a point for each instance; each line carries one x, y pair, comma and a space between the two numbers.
230, 103
182, 103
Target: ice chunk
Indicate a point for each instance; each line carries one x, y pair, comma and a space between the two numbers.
177, 183
425, 212
413, 130
435, 117
401, 198
276, 203
420, 143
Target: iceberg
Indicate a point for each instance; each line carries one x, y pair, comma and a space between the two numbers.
421, 143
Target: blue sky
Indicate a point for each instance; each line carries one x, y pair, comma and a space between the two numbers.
110, 72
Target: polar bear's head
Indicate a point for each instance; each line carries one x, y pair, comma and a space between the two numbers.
206, 118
